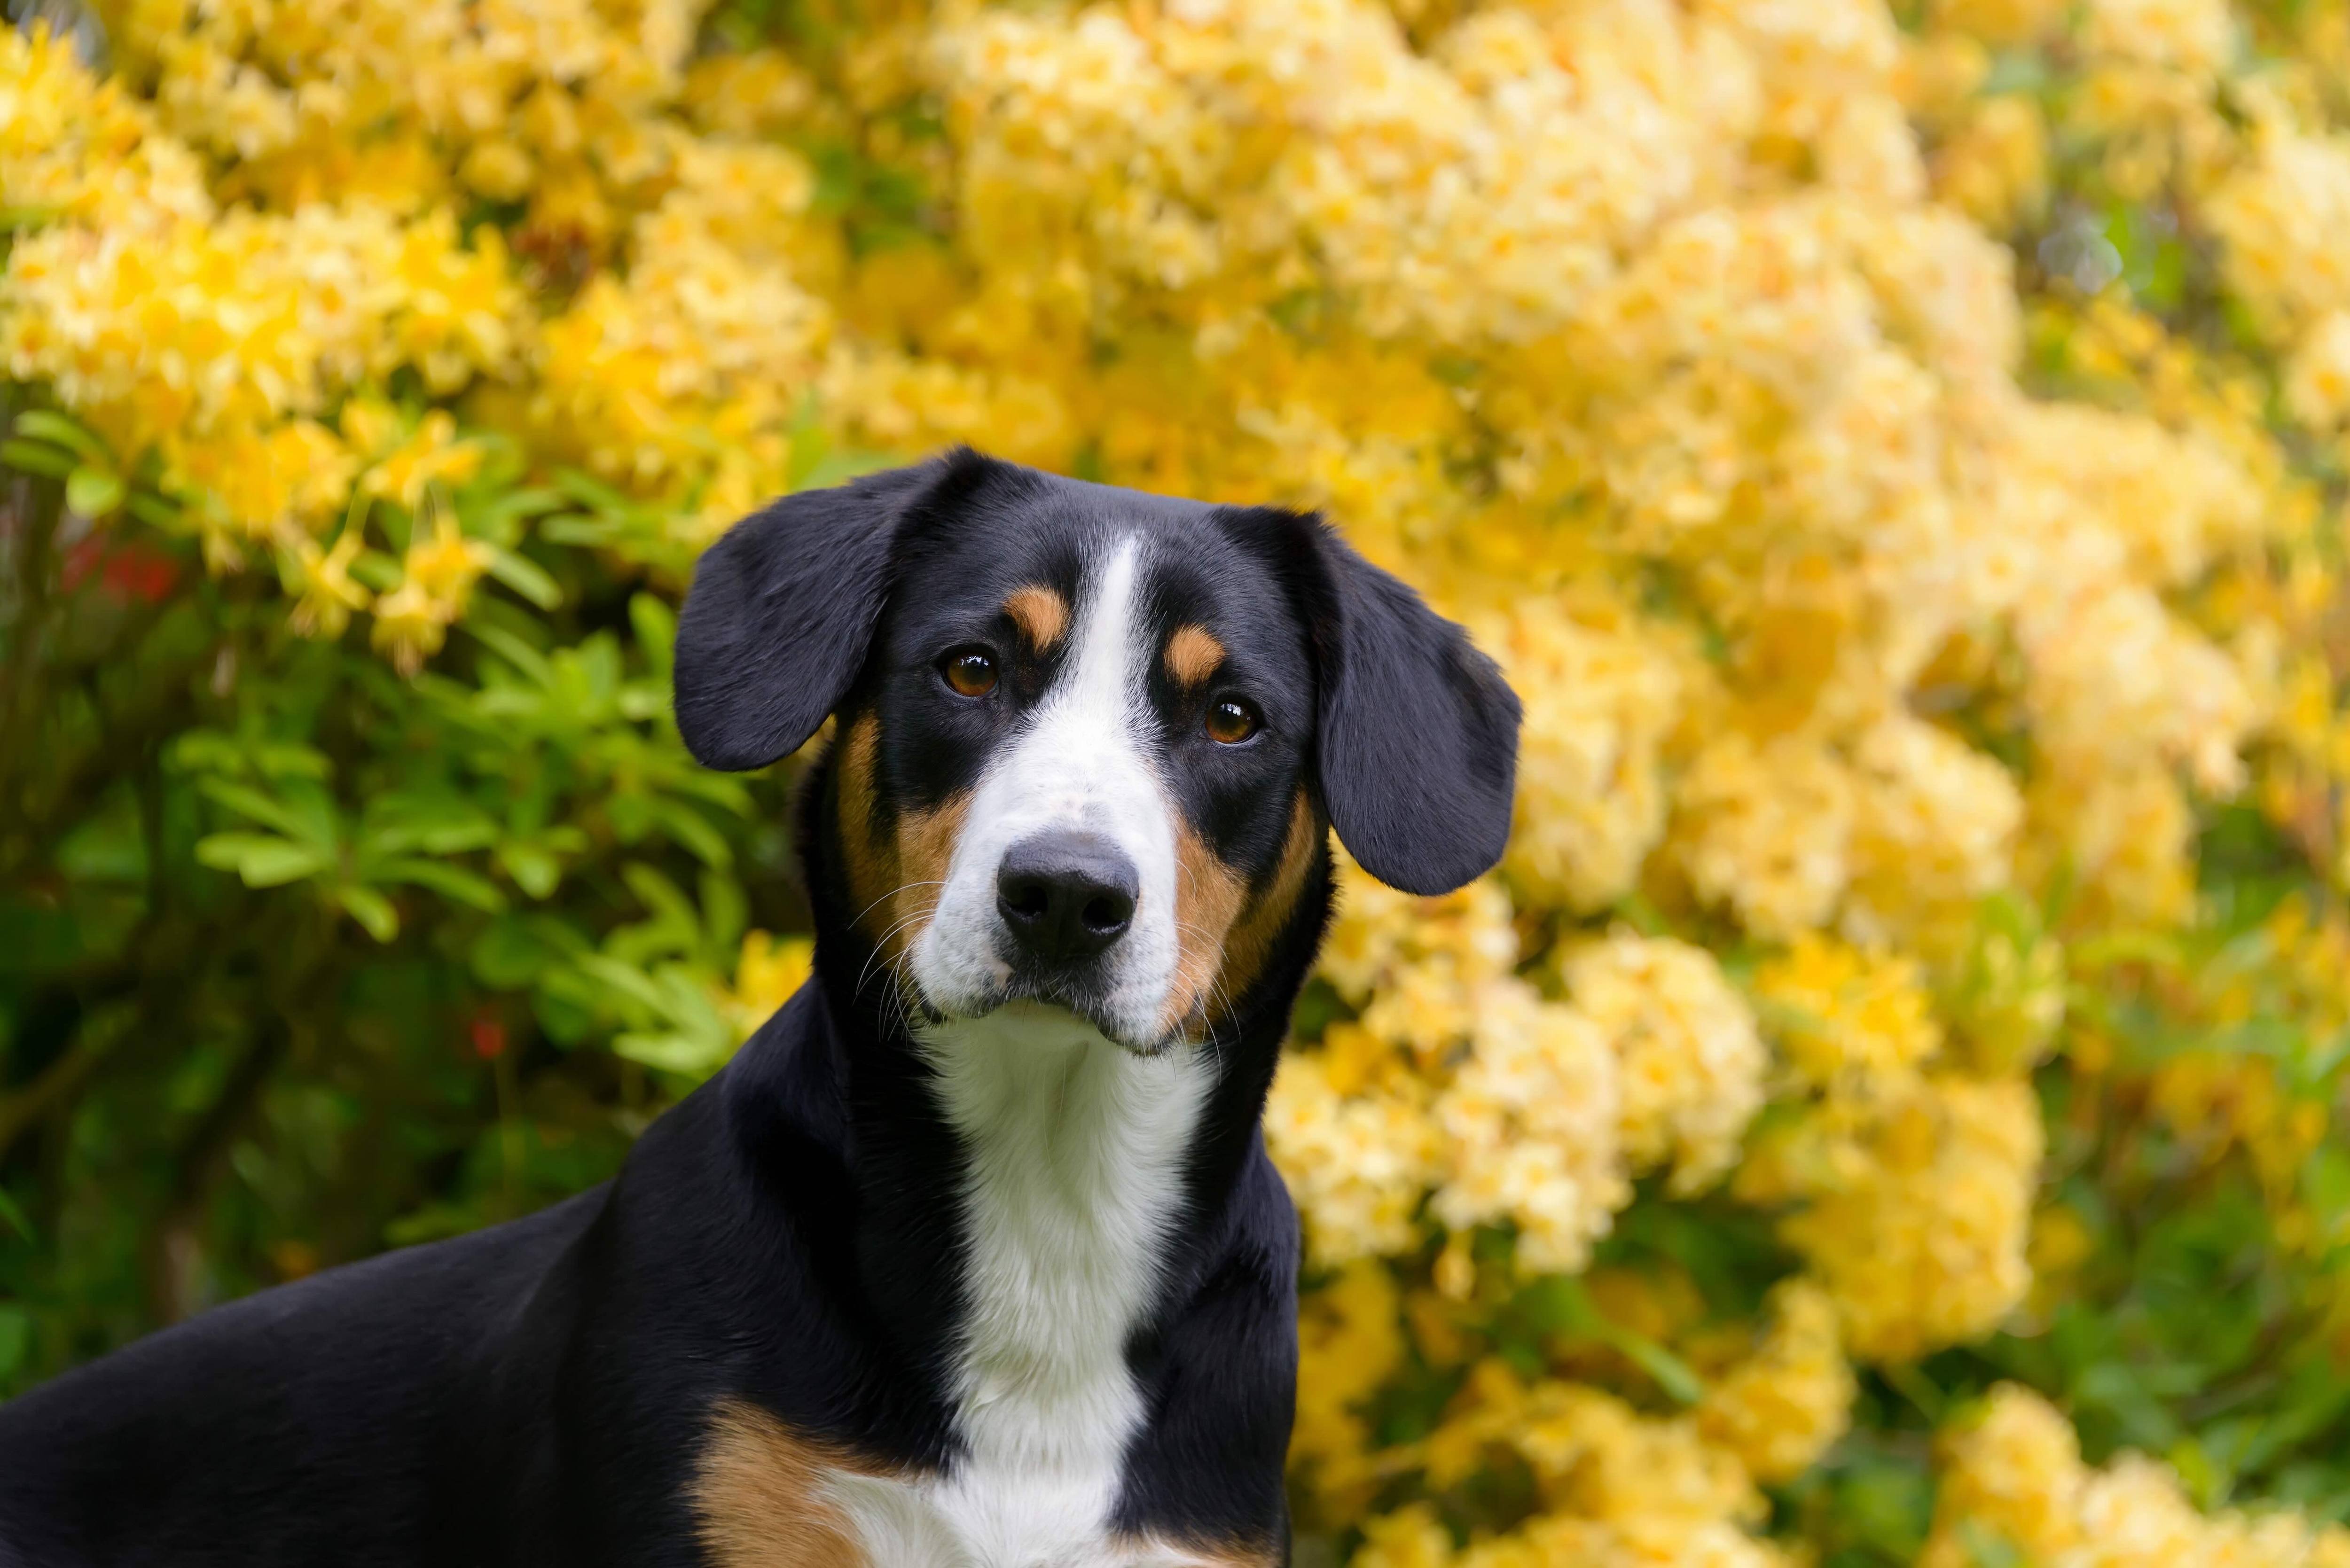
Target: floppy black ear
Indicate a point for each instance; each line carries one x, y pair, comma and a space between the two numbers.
1417, 749
783, 609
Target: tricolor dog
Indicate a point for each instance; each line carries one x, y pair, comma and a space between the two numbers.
973, 1256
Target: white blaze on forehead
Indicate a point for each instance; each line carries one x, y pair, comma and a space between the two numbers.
1081, 763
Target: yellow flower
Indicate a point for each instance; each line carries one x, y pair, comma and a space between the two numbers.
1530, 1124
1778, 1409
1689, 1062
410, 627
329, 595
1599, 702
1919, 1230
1838, 1010
1767, 831
2014, 1472
1995, 169
1349, 1341
2191, 35
1357, 1165
438, 576
767, 972
432, 455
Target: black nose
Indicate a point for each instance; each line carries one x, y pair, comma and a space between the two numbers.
1066, 896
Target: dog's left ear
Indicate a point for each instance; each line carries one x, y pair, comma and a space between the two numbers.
1417, 732
783, 605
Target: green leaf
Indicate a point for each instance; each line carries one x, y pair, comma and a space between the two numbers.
59, 430
15, 1338
1987, 1548
726, 913
810, 446
36, 457
655, 627
685, 1054
20, 1223
377, 570
94, 492
1558, 1303
291, 759
664, 898
261, 859
624, 978
451, 881
691, 832
840, 467
526, 577
370, 908
513, 951
156, 511
208, 751
437, 824
532, 663
314, 827
536, 869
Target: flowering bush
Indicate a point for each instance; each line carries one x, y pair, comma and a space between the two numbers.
1881, 1109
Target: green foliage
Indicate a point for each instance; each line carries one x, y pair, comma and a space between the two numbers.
299, 958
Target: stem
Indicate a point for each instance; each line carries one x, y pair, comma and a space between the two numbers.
60, 1080
36, 528
173, 1243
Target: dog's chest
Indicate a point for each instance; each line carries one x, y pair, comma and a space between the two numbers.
1076, 1154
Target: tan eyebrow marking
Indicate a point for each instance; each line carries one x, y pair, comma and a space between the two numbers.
1041, 614
1193, 655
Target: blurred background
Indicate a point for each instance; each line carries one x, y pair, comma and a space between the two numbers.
1886, 1107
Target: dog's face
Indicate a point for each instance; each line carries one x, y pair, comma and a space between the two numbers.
1077, 756
1088, 738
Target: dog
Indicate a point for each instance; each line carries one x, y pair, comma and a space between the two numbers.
972, 1255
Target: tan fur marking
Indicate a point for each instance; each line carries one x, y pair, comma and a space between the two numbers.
871, 874
1223, 936
925, 846
1041, 614
758, 1495
1208, 897
894, 880
1252, 939
1193, 655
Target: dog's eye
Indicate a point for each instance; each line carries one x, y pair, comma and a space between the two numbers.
1231, 722
970, 670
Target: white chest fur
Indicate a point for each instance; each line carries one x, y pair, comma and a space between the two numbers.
1075, 1149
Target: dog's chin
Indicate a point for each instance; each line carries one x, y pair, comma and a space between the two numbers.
1026, 991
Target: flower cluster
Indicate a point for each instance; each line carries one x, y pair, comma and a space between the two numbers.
2014, 1480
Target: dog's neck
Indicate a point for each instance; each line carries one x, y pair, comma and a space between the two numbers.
1076, 1157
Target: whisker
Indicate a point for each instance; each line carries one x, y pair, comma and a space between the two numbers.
889, 895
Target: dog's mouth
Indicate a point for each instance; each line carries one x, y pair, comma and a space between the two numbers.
1047, 991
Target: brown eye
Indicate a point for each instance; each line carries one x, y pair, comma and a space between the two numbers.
1231, 722
970, 671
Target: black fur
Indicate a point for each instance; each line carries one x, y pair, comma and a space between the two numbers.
788, 1236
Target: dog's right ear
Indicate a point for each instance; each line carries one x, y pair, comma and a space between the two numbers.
783, 605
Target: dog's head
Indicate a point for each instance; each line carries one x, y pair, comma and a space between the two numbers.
1089, 739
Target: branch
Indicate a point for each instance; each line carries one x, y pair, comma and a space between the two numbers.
56, 1083
36, 527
